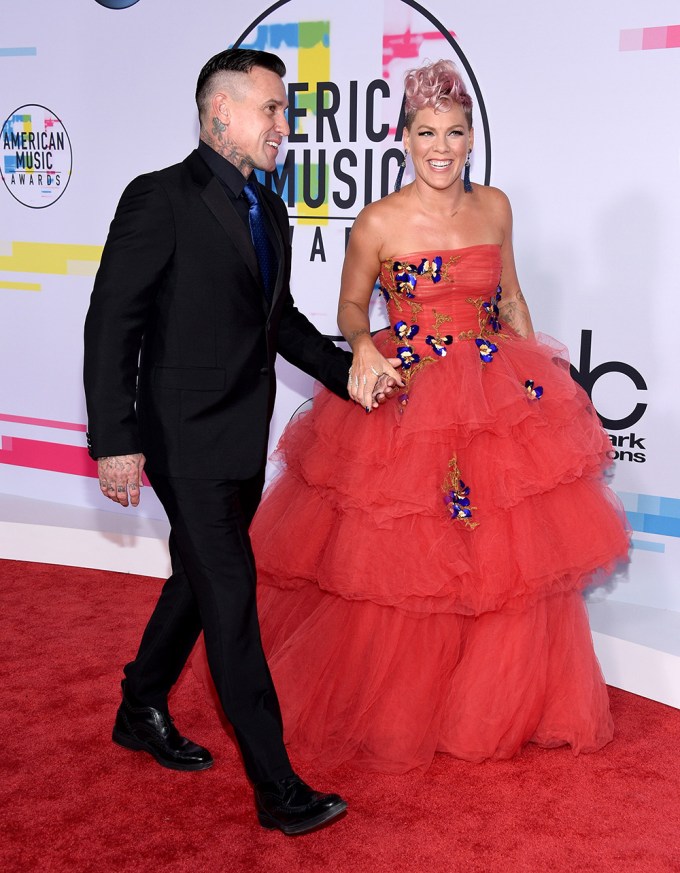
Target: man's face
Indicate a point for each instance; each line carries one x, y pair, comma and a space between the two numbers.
257, 121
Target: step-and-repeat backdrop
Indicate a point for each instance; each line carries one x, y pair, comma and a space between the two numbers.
575, 118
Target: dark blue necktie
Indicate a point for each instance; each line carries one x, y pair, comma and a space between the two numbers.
266, 257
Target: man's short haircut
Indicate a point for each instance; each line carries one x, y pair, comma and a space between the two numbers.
235, 60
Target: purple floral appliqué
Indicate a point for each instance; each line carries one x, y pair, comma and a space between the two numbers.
486, 349
405, 331
439, 343
458, 501
408, 356
535, 392
457, 496
431, 268
491, 309
405, 279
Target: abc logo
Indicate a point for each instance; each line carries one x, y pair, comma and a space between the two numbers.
587, 379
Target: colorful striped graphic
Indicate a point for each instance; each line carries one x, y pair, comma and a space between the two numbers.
406, 45
18, 51
644, 38
293, 34
42, 422
314, 65
42, 455
648, 546
20, 286
61, 259
652, 514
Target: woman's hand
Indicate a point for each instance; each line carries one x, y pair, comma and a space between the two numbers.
372, 378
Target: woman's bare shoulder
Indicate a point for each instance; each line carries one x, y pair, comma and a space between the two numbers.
382, 209
493, 198
379, 219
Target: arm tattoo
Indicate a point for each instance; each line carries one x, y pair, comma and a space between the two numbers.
516, 316
357, 333
343, 306
509, 313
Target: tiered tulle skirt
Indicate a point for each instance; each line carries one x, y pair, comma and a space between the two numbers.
394, 630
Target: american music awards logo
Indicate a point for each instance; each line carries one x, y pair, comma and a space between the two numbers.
36, 158
345, 93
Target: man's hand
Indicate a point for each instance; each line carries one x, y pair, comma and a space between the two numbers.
120, 475
386, 386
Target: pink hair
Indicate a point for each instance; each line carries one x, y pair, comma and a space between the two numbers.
436, 86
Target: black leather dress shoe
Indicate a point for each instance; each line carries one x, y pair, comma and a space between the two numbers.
145, 729
294, 807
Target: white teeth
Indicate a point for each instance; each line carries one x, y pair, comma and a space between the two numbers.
440, 163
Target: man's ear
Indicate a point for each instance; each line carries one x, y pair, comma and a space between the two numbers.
220, 107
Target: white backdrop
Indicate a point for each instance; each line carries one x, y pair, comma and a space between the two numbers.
583, 134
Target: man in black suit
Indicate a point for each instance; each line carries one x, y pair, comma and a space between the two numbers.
183, 329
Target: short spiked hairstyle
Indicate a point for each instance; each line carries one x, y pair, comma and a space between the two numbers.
436, 86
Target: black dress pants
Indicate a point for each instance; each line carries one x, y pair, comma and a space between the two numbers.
212, 588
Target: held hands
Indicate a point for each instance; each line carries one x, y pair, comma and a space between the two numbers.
120, 475
372, 378
386, 385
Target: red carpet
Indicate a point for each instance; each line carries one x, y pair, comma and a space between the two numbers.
73, 801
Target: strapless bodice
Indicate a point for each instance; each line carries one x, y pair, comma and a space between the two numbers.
436, 299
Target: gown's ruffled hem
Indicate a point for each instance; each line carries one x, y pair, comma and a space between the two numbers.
384, 690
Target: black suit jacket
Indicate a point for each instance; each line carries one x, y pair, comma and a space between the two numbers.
180, 341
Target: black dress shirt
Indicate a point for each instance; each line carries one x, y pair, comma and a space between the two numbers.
233, 182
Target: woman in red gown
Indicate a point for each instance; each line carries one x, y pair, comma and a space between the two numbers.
421, 567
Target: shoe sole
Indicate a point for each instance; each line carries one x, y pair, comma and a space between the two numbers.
267, 821
137, 746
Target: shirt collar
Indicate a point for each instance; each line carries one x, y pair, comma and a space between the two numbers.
225, 171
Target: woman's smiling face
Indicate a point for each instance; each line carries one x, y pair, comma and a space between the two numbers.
438, 143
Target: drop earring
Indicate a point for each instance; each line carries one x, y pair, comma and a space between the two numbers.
400, 174
467, 186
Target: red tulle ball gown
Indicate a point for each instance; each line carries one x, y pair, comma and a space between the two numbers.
420, 568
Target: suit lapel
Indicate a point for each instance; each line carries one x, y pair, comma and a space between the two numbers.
279, 248
221, 207
219, 204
